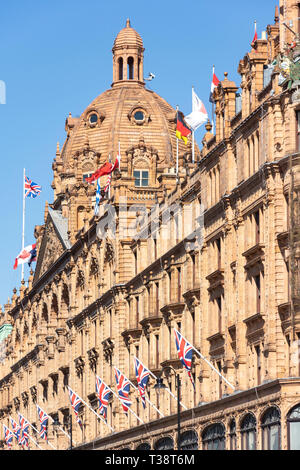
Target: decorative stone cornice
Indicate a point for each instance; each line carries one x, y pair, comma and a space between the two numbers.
108, 348
79, 365
93, 355
151, 324
132, 335
172, 311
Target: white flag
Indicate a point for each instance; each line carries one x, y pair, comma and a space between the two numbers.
198, 115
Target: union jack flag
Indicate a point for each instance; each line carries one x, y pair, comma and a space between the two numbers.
31, 189
24, 438
43, 417
76, 403
142, 376
16, 430
103, 392
185, 352
8, 436
123, 386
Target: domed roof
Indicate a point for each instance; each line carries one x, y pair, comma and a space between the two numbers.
127, 115
128, 37
115, 112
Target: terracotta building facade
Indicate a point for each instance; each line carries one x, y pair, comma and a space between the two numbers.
212, 251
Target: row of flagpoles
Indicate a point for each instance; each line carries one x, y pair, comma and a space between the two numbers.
104, 394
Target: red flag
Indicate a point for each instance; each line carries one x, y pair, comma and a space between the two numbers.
255, 37
105, 169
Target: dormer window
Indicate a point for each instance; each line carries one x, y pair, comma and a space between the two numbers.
141, 178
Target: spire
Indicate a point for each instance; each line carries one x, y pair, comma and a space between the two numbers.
276, 19
128, 25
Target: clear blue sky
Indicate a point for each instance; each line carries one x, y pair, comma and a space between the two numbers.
55, 58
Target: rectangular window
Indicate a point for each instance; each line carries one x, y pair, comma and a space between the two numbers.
257, 226
135, 262
141, 178
157, 350
157, 297
220, 379
193, 270
258, 364
219, 312
218, 244
257, 286
178, 284
137, 312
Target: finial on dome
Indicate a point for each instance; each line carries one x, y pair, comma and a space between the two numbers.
128, 25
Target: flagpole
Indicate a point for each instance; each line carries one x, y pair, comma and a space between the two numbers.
33, 427
119, 157
100, 417
52, 421
23, 224
37, 443
193, 134
210, 365
117, 396
147, 399
28, 435
167, 388
212, 106
177, 149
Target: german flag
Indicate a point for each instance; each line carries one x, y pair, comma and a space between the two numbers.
182, 130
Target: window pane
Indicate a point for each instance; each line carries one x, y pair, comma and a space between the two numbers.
145, 182
145, 174
137, 176
274, 437
251, 440
295, 436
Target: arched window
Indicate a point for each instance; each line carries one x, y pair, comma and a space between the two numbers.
144, 446
232, 435
130, 68
213, 437
80, 217
165, 443
54, 308
120, 68
293, 421
189, 440
248, 432
45, 317
270, 425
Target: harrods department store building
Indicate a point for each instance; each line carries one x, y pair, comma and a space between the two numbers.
212, 252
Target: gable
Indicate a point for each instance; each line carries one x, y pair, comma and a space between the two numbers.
54, 242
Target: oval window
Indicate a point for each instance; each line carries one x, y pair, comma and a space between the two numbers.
139, 116
93, 118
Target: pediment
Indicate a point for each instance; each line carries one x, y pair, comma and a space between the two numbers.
54, 243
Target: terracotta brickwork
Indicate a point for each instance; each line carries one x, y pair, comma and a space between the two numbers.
212, 252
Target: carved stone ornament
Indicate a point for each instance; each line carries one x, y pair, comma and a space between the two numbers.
53, 249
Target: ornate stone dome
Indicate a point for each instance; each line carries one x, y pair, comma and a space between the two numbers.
128, 117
